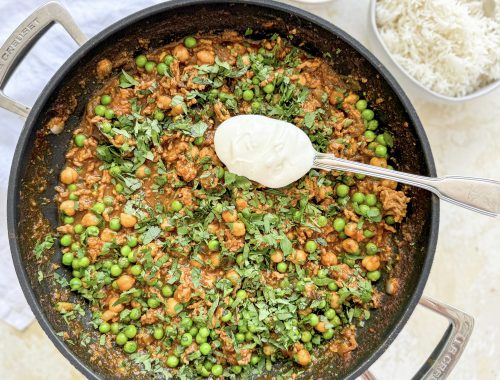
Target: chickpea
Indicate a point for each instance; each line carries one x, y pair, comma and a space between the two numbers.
388, 183
176, 110
68, 207
182, 294
321, 327
371, 263
108, 315
125, 282
127, 221
350, 229
350, 245
142, 171
241, 204
238, 229
229, 216
277, 256
298, 257
334, 300
170, 306
303, 357
181, 53
233, 276
69, 176
163, 102
335, 98
205, 57
104, 67
116, 308
268, 350
328, 259
212, 228
351, 99
214, 259
107, 235
90, 219
378, 161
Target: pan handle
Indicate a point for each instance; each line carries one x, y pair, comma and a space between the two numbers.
22, 39
451, 346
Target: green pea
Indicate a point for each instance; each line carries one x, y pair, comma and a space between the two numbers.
369, 136
217, 370
368, 233
390, 220
119, 188
371, 199
247, 95
342, 190
187, 323
121, 339
108, 200
130, 331
132, 241
130, 347
193, 331
200, 339
105, 100
328, 334
363, 209
100, 110
115, 224
75, 283
380, 151
240, 337
172, 361
98, 208
104, 327
80, 140
204, 332
190, 42
92, 230
255, 106
125, 250
240, 260
168, 59
213, 245
84, 262
359, 176
311, 246
226, 315
241, 294
73, 197
115, 270
361, 105
367, 114
158, 333
176, 206
269, 88
381, 140
199, 140
115, 328
72, 187
161, 69
109, 113
330, 314
371, 146
236, 369
66, 240
306, 336
149, 66
106, 127
332, 286
67, 258
205, 349
358, 197
313, 319
339, 224
159, 115
371, 248
373, 276
153, 303
136, 270
186, 339
135, 314
372, 125
255, 359
141, 60
167, 291
322, 221
281, 267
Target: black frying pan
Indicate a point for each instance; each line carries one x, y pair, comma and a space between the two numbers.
40, 154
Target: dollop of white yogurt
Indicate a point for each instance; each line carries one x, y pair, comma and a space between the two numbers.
271, 152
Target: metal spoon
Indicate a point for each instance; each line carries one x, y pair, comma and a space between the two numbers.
476, 194
275, 152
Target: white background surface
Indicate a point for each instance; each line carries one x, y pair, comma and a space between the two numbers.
465, 140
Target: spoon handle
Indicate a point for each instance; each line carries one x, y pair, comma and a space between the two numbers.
476, 194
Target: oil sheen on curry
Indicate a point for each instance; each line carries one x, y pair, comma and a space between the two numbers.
189, 270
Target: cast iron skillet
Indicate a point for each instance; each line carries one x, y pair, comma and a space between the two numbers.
39, 158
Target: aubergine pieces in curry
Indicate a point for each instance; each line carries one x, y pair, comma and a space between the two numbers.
196, 268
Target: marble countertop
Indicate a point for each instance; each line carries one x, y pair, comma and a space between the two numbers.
465, 140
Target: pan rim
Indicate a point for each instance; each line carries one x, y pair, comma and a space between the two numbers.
29, 125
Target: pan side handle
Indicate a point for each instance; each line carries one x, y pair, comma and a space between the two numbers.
22, 39
451, 346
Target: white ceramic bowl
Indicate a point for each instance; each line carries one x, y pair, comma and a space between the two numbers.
410, 79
